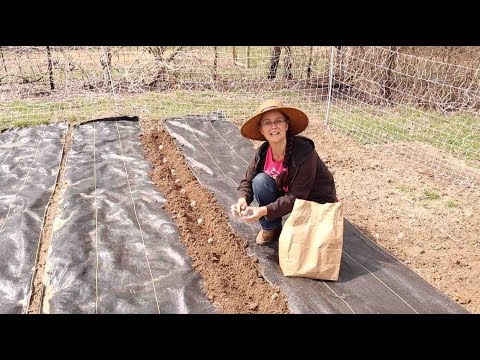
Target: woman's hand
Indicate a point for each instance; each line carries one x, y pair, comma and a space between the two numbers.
253, 213
239, 206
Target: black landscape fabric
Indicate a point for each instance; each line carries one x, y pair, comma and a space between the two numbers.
29, 164
371, 280
114, 250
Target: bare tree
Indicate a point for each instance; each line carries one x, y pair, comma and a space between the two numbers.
390, 65
3, 60
339, 63
274, 59
162, 61
106, 62
288, 61
309, 64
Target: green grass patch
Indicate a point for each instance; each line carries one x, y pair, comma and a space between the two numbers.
30, 122
368, 127
431, 194
457, 134
32, 113
451, 204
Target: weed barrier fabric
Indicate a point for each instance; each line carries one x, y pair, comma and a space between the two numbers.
29, 164
371, 280
114, 250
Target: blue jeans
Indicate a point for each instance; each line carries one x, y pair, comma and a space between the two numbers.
265, 192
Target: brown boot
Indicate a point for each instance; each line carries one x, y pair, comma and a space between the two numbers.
266, 236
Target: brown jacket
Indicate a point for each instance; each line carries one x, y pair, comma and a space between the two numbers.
308, 178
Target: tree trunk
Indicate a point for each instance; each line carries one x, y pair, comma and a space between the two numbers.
389, 82
3, 60
275, 58
158, 53
309, 64
339, 64
160, 76
50, 68
106, 61
288, 61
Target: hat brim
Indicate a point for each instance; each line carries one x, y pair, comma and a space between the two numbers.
298, 121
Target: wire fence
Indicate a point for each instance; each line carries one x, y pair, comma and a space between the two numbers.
420, 103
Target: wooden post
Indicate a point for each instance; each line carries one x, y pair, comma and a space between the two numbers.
215, 60
234, 53
50, 68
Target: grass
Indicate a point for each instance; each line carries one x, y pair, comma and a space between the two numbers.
457, 134
451, 204
30, 122
73, 109
150, 105
431, 194
427, 194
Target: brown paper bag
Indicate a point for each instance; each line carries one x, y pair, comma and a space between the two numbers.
311, 241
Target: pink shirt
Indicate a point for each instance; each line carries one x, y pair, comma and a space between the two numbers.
273, 168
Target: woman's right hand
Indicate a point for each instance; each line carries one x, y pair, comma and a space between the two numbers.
239, 206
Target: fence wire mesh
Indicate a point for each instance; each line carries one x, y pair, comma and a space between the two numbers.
420, 103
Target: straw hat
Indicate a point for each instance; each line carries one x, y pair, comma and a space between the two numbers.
297, 120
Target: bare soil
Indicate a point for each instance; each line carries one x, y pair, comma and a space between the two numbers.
423, 218
429, 222
231, 277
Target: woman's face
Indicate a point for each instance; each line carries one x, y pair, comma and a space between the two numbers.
273, 125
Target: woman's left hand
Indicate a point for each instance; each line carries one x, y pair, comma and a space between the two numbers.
253, 213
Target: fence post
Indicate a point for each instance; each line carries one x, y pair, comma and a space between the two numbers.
50, 68
215, 61
330, 81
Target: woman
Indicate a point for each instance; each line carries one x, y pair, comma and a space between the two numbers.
285, 167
